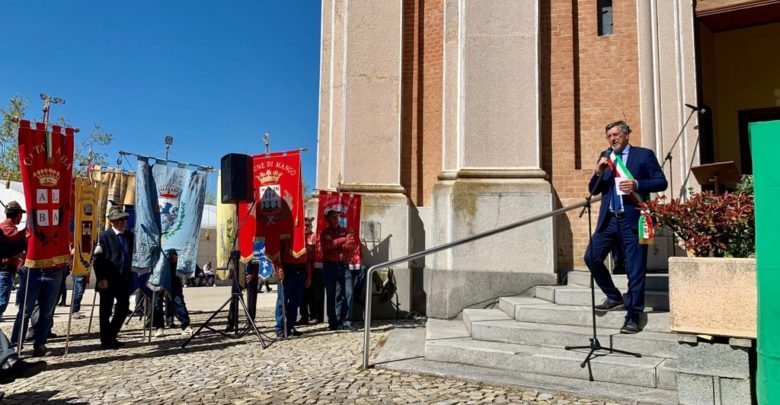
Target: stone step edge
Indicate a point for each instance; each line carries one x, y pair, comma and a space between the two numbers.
555, 354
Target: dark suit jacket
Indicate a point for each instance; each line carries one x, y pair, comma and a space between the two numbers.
108, 264
644, 166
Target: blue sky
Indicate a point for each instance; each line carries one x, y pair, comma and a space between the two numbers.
214, 75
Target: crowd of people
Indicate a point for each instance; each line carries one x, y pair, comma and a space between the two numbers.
301, 299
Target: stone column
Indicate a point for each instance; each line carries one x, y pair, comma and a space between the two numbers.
495, 176
364, 124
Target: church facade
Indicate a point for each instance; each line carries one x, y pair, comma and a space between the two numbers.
454, 117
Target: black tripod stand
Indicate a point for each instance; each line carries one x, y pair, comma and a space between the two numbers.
594, 345
236, 297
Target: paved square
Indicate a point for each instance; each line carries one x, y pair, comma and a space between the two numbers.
319, 367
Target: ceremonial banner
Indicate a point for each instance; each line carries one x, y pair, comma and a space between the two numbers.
116, 187
147, 255
85, 225
181, 193
348, 206
226, 214
46, 164
277, 212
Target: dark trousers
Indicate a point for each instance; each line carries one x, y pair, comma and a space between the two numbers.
174, 303
251, 297
338, 289
63, 294
619, 232
110, 326
294, 281
313, 304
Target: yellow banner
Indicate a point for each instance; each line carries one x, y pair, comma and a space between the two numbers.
85, 225
226, 231
116, 187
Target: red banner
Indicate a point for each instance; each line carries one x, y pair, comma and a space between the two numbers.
46, 163
277, 212
348, 206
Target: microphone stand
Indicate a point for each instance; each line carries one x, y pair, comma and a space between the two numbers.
236, 297
594, 345
669, 154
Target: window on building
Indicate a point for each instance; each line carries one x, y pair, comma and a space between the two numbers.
604, 10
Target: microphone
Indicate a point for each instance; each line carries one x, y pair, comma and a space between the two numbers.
695, 108
606, 153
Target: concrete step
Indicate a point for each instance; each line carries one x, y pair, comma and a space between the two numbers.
653, 281
404, 351
579, 296
653, 344
581, 316
614, 368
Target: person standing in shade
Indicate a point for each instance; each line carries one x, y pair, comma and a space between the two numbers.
337, 245
624, 178
312, 308
113, 258
15, 243
294, 275
177, 299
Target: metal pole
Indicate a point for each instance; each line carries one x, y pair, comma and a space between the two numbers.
70, 315
22, 336
92, 311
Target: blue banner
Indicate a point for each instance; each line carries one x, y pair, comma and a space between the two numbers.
181, 193
148, 256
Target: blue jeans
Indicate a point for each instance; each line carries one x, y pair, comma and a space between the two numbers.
293, 284
44, 288
78, 292
6, 284
338, 291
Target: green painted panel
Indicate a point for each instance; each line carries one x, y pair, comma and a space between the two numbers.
765, 148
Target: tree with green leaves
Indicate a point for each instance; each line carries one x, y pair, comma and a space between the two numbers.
9, 145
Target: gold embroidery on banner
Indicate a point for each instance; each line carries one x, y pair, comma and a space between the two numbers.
44, 263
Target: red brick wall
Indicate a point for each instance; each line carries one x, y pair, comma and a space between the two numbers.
421, 92
593, 80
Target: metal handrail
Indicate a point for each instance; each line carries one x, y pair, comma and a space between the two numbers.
426, 252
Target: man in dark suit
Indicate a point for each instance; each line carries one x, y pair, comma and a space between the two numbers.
113, 258
624, 177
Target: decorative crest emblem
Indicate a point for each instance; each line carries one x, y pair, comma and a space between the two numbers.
47, 177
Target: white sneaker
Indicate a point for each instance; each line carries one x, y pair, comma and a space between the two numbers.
159, 332
187, 331
78, 315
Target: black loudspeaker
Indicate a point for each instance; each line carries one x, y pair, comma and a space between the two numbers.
236, 184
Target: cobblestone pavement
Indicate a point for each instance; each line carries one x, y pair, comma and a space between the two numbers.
318, 367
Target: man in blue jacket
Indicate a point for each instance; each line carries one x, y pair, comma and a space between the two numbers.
624, 176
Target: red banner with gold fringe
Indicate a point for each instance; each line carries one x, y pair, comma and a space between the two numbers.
348, 206
46, 163
277, 212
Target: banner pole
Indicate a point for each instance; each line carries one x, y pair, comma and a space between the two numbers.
70, 314
21, 335
92, 311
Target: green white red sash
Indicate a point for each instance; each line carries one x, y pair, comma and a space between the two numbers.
619, 169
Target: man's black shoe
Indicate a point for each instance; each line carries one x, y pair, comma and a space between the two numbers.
350, 328
40, 351
118, 343
52, 335
630, 327
295, 333
109, 346
609, 305
333, 327
14, 368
